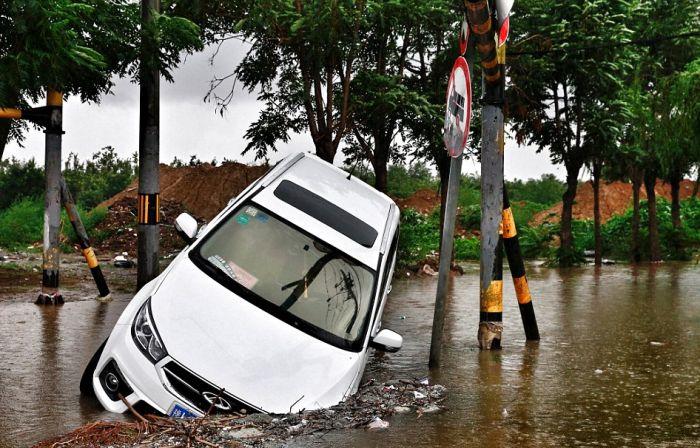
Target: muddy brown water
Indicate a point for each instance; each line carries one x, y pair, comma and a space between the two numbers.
618, 364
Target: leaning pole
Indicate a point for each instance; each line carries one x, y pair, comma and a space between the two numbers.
455, 133
149, 158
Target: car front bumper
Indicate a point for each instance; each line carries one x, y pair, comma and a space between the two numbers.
146, 380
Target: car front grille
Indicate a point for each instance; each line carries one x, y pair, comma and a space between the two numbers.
200, 393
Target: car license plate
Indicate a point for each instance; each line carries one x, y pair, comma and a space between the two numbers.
178, 411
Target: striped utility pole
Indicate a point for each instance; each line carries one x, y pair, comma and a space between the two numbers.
149, 157
481, 22
84, 241
50, 117
517, 271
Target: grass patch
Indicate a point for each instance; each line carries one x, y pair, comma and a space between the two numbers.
22, 223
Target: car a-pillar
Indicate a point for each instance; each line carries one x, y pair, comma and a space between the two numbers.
52, 200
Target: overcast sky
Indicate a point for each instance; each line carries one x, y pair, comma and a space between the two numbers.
189, 126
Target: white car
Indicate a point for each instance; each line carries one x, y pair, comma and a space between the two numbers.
271, 308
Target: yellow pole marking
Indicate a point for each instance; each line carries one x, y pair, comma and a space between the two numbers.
90, 257
522, 290
492, 299
10, 113
54, 98
509, 230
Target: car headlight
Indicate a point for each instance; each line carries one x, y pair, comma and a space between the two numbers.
146, 336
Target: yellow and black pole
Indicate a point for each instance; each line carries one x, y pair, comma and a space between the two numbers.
481, 23
511, 245
84, 241
149, 156
50, 117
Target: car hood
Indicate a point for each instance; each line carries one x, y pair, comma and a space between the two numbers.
248, 352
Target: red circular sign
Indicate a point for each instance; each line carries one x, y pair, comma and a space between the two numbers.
459, 108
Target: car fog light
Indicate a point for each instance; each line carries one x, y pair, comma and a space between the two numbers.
111, 382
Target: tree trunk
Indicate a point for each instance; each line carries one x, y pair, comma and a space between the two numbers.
380, 176
697, 184
654, 245
675, 180
380, 162
566, 243
596, 213
325, 149
635, 254
4, 134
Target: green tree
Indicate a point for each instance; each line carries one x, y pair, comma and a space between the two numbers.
556, 94
662, 57
381, 100
677, 135
77, 46
302, 58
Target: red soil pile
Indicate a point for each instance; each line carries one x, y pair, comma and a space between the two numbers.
615, 199
117, 233
423, 201
203, 190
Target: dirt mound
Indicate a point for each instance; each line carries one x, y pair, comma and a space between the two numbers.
202, 190
615, 199
117, 233
423, 201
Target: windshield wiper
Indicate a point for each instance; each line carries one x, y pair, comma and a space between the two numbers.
301, 284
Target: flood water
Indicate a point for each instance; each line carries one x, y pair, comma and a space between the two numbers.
618, 363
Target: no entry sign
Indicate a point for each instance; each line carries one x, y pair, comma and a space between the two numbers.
459, 108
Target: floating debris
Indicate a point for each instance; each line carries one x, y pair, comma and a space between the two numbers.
378, 423
369, 408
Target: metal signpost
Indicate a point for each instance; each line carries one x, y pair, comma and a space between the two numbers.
456, 131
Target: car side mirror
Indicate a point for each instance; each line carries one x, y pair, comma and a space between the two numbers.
387, 341
186, 227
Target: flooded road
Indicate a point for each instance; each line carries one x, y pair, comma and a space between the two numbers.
618, 364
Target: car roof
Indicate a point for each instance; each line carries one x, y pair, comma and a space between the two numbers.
353, 196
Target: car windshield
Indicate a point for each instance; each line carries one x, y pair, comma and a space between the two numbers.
293, 271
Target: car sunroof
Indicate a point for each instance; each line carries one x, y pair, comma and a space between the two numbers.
326, 212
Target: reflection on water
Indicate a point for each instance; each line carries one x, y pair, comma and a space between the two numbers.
595, 379
43, 352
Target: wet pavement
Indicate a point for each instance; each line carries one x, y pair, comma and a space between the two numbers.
618, 364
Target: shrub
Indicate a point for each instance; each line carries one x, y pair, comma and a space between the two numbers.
22, 223
546, 190
420, 235
467, 248
19, 180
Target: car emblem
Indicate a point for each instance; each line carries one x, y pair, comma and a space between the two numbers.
215, 399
